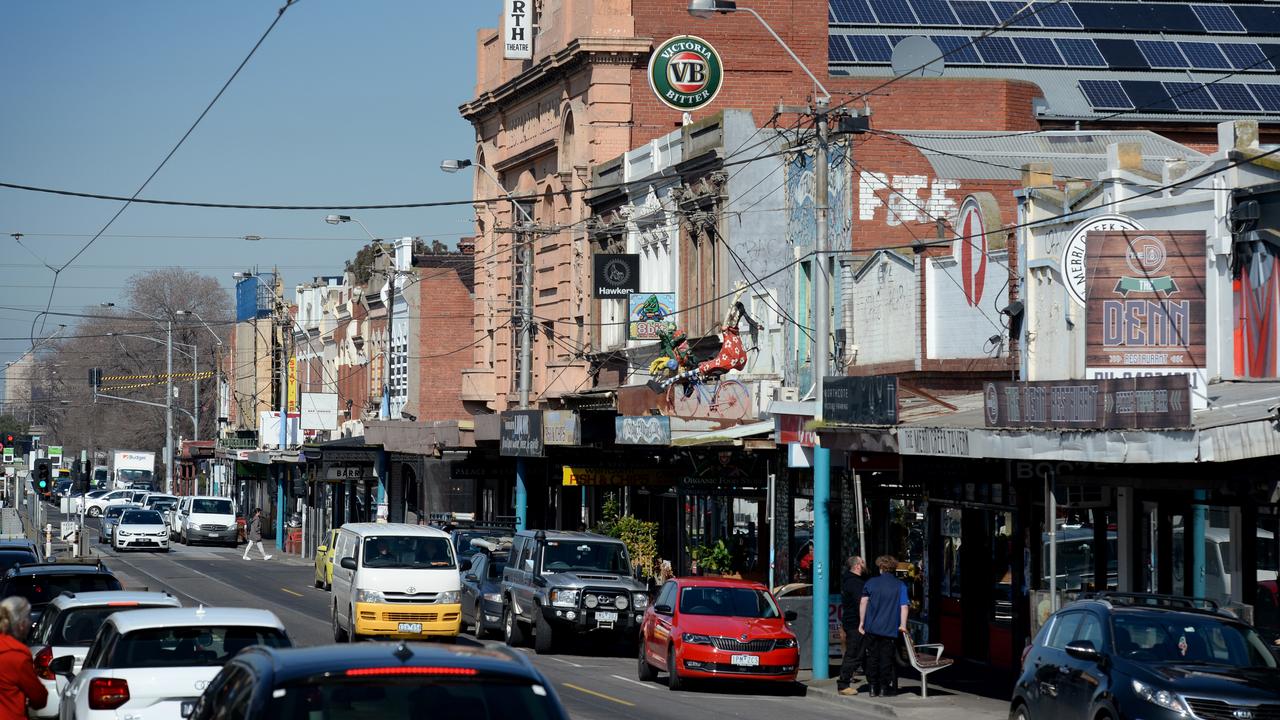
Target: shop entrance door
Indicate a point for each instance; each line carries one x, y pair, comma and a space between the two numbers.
976, 582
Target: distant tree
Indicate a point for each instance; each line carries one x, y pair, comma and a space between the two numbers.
11, 424
361, 266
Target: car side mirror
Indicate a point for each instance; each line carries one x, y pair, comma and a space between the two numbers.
1083, 650
790, 616
64, 665
662, 609
322, 548
348, 563
471, 577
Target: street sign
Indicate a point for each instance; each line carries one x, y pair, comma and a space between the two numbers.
8, 454
55, 454
68, 530
685, 72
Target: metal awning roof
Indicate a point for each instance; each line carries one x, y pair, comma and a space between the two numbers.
727, 436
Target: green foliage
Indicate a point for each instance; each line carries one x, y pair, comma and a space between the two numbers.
640, 536
11, 424
361, 266
714, 559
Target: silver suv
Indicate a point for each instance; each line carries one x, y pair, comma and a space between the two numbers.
576, 582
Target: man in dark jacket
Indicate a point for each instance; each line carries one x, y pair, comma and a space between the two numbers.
851, 582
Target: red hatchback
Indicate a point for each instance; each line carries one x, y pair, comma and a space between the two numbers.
711, 627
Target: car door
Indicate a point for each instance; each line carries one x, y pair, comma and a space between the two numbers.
657, 635
1080, 680
1049, 665
342, 577
471, 580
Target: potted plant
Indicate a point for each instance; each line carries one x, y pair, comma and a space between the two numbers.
711, 559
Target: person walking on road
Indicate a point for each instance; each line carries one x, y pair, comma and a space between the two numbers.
851, 584
255, 535
19, 686
884, 620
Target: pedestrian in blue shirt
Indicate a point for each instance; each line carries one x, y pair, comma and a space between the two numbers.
884, 619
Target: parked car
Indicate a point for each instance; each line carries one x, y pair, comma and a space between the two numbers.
716, 628
1129, 655
62, 487
152, 498
461, 536
148, 663
140, 528
369, 680
107, 521
40, 584
15, 551
482, 591
71, 622
572, 582
324, 560
95, 505
205, 518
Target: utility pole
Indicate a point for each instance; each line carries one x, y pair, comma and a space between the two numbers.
391, 341
821, 455
168, 407
526, 314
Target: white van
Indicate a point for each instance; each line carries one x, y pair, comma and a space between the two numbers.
395, 580
205, 518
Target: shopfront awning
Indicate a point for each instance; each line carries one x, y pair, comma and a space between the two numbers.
731, 436
419, 438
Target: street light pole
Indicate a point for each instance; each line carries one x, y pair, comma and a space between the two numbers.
168, 407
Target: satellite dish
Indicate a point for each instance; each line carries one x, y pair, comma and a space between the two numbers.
917, 56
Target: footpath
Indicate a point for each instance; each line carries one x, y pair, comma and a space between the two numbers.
960, 692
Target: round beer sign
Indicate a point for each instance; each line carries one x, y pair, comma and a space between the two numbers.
685, 72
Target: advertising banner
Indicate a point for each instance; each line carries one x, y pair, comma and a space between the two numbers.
517, 29
520, 433
615, 275
647, 314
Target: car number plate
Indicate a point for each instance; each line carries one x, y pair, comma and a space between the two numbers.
410, 628
606, 617
745, 660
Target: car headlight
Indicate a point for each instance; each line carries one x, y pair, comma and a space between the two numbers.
784, 643
564, 598
493, 597
640, 600
695, 639
370, 596
123, 533
447, 597
591, 601
1162, 698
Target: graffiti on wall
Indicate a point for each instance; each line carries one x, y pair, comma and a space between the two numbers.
1257, 300
801, 214
905, 198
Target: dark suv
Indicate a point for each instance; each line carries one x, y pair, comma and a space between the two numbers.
1130, 655
41, 583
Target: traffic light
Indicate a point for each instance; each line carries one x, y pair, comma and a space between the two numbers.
44, 476
80, 474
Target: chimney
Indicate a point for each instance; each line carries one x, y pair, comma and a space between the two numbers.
1125, 156
1037, 174
467, 245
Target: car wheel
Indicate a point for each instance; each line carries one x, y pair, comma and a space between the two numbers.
479, 623
339, 635
511, 631
1019, 712
644, 671
94, 512
543, 635
674, 681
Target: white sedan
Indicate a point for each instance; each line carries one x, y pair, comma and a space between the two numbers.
149, 664
140, 528
95, 505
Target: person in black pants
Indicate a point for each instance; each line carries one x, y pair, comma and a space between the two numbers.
884, 620
851, 582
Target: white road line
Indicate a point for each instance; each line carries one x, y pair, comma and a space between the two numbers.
646, 686
566, 662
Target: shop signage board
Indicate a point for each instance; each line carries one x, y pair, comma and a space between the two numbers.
647, 314
642, 430
685, 72
614, 477
789, 429
520, 434
1153, 402
350, 472
561, 427
870, 400
517, 29
293, 385
1074, 268
1146, 305
949, 442
616, 275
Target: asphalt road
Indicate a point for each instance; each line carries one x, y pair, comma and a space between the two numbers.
595, 683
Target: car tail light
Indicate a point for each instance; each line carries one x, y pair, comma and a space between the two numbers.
401, 670
42, 660
108, 693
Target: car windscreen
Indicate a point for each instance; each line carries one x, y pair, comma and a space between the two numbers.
407, 551
727, 602
496, 566
206, 646
43, 588
1187, 639
9, 558
417, 696
113, 511
575, 556
211, 507
78, 626
141, 517
130, 476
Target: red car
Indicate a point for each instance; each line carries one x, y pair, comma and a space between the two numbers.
716, 628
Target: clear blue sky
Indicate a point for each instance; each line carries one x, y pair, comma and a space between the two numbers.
346, 102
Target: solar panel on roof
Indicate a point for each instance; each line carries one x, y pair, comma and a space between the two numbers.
1080, 52
934, 12
973, 12
1204, 56
1038, 51
1218, 18
893, 12
1105, 95
1148, 96
1268, 96
1233, 96
1056, 14
1190, 96
1162, 54
956, 48
1246, 56
838, 50
1006, 9
998, 51
870, 48
852, 11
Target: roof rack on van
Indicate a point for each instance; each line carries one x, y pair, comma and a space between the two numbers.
491, 544
1180, 602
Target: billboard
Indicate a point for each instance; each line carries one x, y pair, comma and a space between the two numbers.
647, 314
319, 411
